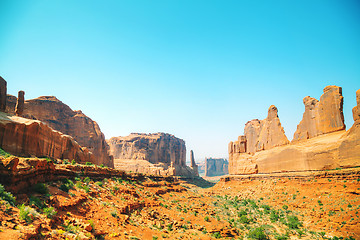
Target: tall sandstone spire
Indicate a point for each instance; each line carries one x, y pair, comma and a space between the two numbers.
3, 91
265, 134
19, 108
320, 117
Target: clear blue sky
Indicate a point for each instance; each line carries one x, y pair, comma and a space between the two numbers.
196, 69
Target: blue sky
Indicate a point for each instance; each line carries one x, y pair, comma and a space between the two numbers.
196, 69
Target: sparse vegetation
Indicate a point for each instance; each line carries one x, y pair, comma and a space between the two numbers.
6, 196
4, 153
40, 188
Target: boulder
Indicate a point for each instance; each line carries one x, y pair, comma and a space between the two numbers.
321, 117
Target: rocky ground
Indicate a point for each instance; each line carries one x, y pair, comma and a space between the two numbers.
127, 208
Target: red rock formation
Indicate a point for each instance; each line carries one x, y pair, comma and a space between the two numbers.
252, 132
272, 133
356, 109
323, 151
25, 137
19, 108
10, 104
264, 134
62, 118
193, 164
150, 153
216, 167
18, 174
324, 116
2, 94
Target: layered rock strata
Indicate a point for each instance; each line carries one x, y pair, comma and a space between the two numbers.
320, 117
25, 137
216, 167
18, 174
319, 146
61, 117
158, 153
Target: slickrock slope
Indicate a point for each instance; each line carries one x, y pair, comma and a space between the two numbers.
25, 137
158, 153
61, 117
324, 116
336, 148
216, 167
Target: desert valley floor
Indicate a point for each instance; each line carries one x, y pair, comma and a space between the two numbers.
307, 205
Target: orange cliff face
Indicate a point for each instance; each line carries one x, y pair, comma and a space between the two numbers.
157, 153
324, 116
59, 116
259, 135
320, 141
25, 137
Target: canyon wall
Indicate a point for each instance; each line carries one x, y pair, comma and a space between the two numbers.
157, 153
59, 116
25, 137
320, 141
216, 167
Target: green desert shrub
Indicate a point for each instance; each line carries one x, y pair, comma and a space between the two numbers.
100, 184
217, 235
35, 201
258, 234
27, 213
274, 216
6, 196
293, 222
49, 212
4, 154
40, 188
242, 213
244, 219
67, 185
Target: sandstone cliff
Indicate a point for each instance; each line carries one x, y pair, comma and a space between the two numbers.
25, 137
3, 89
216, 167
325, 144
157, 153
62, 118
193, 164
260, 135
324, 116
